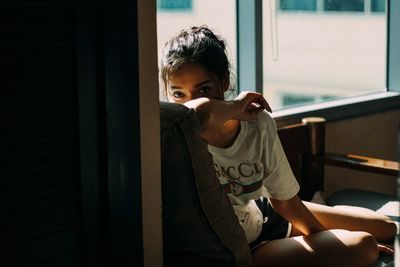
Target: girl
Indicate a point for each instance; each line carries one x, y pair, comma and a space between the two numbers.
253, 170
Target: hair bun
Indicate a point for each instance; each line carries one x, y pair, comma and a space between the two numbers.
207, 32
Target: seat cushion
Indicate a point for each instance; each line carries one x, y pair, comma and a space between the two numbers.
199, 224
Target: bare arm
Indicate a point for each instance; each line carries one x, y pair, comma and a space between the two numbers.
295, 212
213, 113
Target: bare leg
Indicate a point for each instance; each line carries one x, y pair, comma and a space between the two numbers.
353, 219
328, 248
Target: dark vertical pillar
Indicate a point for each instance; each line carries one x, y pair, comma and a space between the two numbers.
92, 131
123, 132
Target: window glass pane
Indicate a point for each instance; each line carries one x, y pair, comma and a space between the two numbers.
219, 16
174, 5
318, 56
378, 5
293, 99
344, 5
298, 5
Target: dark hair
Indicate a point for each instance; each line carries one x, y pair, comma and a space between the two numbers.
197, 45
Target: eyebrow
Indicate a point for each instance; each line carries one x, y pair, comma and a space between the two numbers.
197, 85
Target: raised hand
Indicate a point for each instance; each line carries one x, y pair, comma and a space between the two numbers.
249, 104
213, 113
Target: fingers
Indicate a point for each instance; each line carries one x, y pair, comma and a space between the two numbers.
252, 100
266, 105
386, 248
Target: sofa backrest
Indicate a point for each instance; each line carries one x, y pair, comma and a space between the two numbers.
199, 224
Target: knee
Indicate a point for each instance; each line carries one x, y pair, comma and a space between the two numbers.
386, 230
366, 247
391, 231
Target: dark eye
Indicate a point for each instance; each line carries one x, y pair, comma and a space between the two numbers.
204, 90
178, 94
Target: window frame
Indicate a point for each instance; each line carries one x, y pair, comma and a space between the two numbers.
250, 70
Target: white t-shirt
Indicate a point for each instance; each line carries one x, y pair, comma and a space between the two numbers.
254, 166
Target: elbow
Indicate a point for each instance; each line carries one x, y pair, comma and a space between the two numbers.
203, 109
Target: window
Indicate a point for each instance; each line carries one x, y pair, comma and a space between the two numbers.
378, 5
174, 5
298, 52
344, 5
339, 51
292, 99
366, 6
289, 99
298, 5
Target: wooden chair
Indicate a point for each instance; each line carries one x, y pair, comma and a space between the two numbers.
304, 145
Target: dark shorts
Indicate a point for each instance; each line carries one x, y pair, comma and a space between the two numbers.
276, 227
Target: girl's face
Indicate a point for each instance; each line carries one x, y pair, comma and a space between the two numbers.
192, 81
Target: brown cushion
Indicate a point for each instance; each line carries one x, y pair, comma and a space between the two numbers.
199, 224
